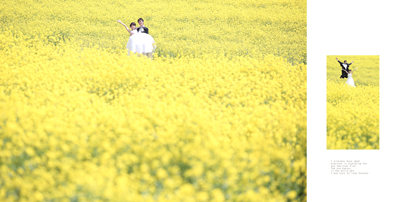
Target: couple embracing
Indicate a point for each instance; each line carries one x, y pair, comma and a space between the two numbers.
347, 73
140, 42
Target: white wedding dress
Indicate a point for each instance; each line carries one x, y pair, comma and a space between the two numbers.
350, 80
140, 43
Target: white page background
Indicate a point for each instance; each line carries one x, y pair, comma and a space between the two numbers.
353, 28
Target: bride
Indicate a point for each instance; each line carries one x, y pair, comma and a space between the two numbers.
350, 80
139, 43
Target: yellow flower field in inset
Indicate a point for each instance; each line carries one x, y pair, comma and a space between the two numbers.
353, 112
219, 114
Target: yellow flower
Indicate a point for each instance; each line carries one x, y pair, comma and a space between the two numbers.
292, 194
38, 196
30, 151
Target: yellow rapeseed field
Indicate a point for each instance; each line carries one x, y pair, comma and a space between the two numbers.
219, 114
353, 112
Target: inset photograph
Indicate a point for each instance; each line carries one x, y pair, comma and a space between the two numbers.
352, 102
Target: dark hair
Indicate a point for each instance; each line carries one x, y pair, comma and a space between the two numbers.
132, 24
140, 19
345, 61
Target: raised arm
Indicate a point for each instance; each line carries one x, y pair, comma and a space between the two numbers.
126, 27
351, 62
338, 61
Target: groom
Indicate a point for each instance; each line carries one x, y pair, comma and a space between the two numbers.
142, 28
345, 67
